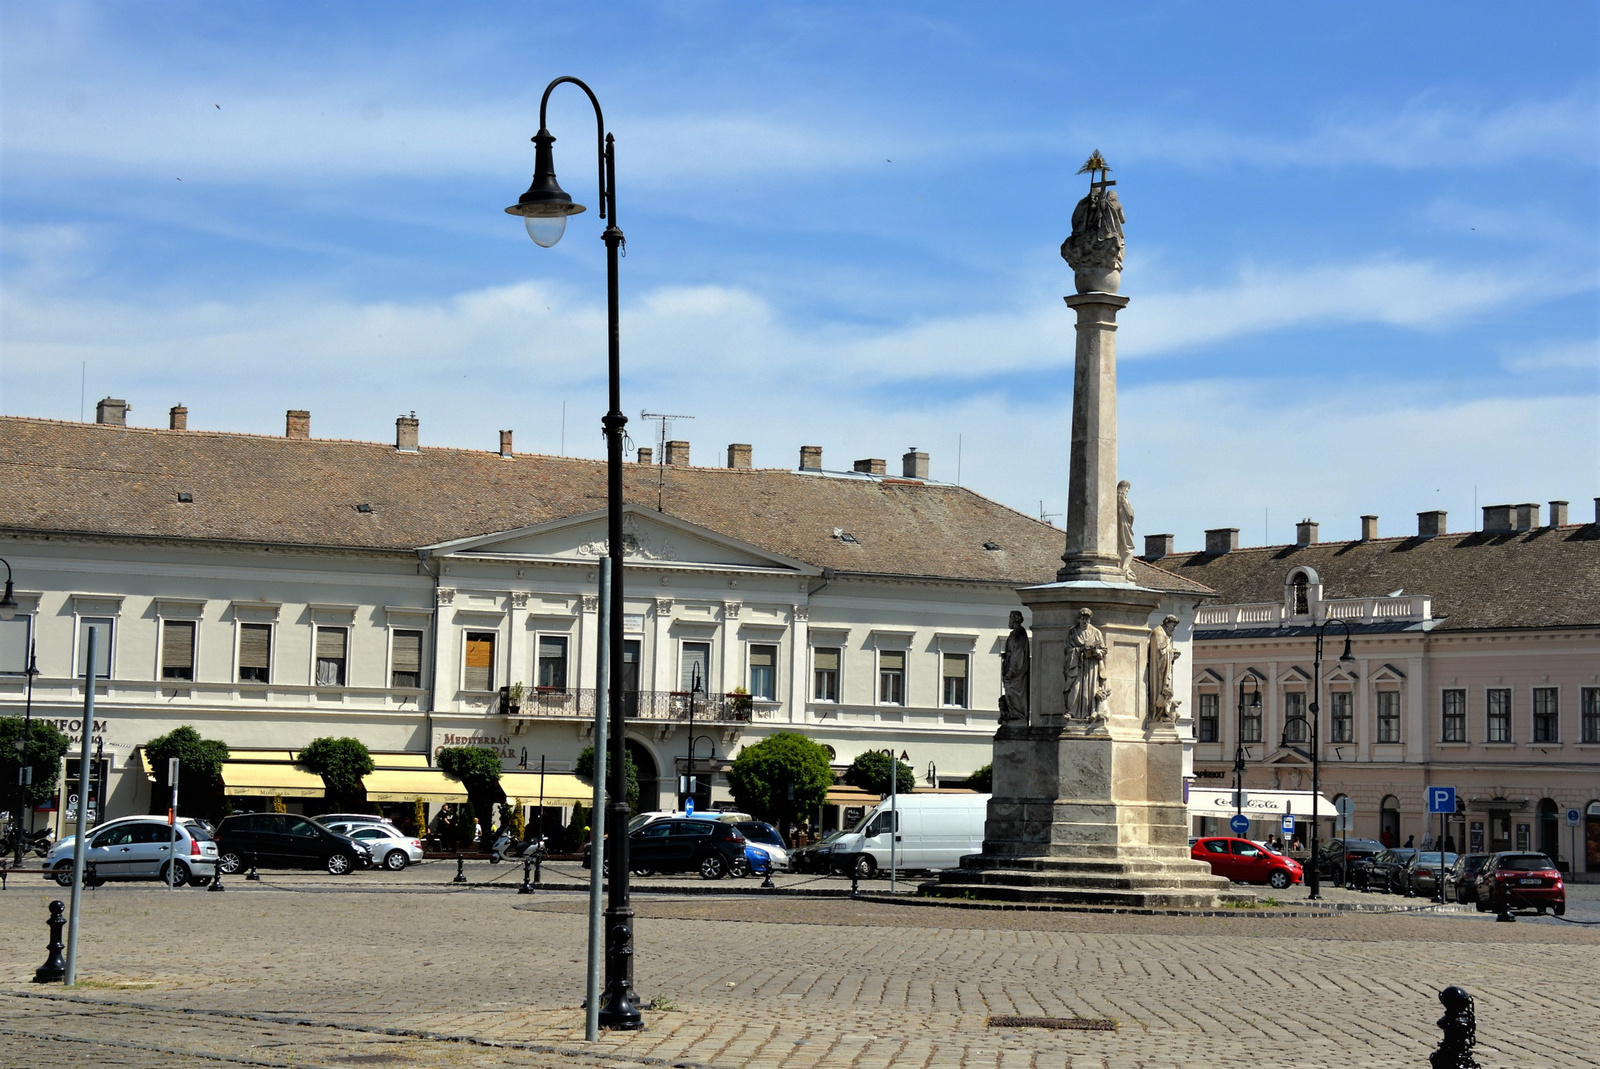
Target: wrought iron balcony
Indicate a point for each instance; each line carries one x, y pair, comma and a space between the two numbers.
641, 705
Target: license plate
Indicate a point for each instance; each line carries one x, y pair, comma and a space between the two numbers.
1532, 881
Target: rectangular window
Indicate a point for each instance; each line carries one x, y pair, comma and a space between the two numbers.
1591, 714
891, 677
553, 663
102, 655
694, 665
1209, 718
479, 673
255, 653
405, 660
1294, 717
1454, 716
1388, 716
1499, 716
332, 644
1342, 704
764, 672
825, 674
14, 635
955, 680
177, 649
1546, 714
1250, 724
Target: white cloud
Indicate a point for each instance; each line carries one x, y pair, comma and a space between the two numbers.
1557, 356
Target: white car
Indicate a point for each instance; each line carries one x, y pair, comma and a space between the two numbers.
390, 847
139, 848
763, 837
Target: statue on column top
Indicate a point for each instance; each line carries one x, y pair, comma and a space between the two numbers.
1125, 529
1094, 249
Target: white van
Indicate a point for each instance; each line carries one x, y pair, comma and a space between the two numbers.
935, 832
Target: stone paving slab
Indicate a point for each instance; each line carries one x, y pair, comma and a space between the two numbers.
328, 974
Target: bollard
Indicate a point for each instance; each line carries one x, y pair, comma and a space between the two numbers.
253, 874
89, 877
767, 884
216, 878
1460, 1029
538, 868
461, 869
855, 878
527, 867
54, 969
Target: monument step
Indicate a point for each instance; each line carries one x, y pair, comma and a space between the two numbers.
1090, 896
1131, 882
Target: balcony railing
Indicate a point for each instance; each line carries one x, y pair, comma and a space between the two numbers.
1273, 614
641, 705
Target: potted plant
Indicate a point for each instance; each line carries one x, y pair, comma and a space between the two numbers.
514, 695
739, 702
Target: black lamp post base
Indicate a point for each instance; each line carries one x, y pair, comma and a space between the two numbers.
620, 1012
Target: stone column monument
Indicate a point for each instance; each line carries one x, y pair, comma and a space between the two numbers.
1088, 800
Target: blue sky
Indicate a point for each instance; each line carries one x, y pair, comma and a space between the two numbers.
1363, 239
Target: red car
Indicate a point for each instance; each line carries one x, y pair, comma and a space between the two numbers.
1243, 861
1520, 881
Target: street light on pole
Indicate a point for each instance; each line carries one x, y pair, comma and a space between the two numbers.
1316, 744
544, 209
1238, 740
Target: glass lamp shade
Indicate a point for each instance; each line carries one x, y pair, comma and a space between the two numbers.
545, 206
8, 604
545, 230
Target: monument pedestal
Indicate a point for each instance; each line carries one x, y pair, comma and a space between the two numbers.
1089, 811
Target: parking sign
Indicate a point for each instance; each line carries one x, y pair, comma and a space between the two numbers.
1572, 818
1441, 799
1288, 824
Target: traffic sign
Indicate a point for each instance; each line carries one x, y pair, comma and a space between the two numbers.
1346, 808
1288, 824
1572, 818
688, 806
1441, 799
1239, 823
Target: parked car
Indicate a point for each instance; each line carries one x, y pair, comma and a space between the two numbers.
287, 841
684, 844
1343, 859
764, 839
817, 857
1459, 879
1424, 873
639, 820
139, 848
389, 846
1386, 870
1513, 881
930, 832
1243, 861
327, 820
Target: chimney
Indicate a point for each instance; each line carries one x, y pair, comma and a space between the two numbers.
1222, 540
811, 458
914, 465
178, 418
113, 411
1305, 533
873, 467
739, 455
1496, 519
1430, 524
297, 423
646, 455
1527, 516
1558, 514
1369, 528
405, 433
505, 444
1157, 546
678, 453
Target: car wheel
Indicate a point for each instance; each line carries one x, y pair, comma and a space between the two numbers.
644, 873
1279, 879
229, 863
180, 874
866, 867
1479, 903
713, 867
740, 868
339, 864
63, 872
1560, 910
494, 858
395, 860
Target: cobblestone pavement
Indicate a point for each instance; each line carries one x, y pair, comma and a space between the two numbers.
409, 970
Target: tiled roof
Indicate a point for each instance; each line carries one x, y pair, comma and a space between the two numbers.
1547, 577
102, 479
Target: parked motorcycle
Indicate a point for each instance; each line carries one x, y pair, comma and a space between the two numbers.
509, 846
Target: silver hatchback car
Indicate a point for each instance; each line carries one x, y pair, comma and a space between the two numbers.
390, 847
138, 848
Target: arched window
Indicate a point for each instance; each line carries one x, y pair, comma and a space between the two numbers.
1302, 603
1389, 821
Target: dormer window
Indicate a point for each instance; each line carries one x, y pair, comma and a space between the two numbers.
1302, 602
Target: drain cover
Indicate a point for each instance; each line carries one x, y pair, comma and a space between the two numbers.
1082, 1024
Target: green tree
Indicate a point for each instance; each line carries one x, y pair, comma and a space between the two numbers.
584, 770
478, 770
199, 772
46, 747
870, 772
341, 763
781, 777
982, 780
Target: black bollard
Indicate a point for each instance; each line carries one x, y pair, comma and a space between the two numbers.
216, 879
253, 874
1460, 1029
527, 867
461, 869
855, 878
538, 868
54, 969
1504, 914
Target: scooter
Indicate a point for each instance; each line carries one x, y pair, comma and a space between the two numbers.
509, 846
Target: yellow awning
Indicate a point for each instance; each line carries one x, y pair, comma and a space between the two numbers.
560, 788
286, 780
144, 760
409, 784
840, 794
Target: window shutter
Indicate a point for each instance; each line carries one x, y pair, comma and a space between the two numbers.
826, 660
255, 645
955, 666
761, 656
480, 661
330, 643
892, 660
177, 644
408, 651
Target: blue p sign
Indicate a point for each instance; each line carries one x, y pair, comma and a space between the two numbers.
1441, 799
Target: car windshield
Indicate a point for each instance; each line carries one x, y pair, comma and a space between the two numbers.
1432, 857
197, 831
758, 832
1474, 862
1525, 863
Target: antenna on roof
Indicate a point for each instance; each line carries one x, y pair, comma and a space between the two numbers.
663, 429
1046, 516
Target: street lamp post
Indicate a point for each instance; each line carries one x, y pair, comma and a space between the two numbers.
8, 611
544, 209
1238, 740
1316, 744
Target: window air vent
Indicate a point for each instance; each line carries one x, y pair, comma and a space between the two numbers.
185, 497
991, 546
363, 507
845, 536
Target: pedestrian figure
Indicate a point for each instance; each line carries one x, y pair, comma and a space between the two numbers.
1411, 841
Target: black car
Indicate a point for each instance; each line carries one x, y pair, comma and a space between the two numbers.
1386, 872
283, 840
1460, 879
1343, 859
1424, 872
684, 844
818, 857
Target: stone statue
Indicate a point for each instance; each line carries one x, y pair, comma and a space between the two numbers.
1094, 249
1125, 529
1015, 666
1084, 670
1163, 706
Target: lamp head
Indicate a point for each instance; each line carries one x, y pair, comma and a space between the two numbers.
1255, 699
545, 206
1347, 655
8, 603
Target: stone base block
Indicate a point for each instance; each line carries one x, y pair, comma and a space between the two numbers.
1138, 882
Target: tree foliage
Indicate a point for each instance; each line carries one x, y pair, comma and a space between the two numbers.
478, 770
584, 770
762, 775
341, 763
982, 780
46, 746
199, 772
870, 772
